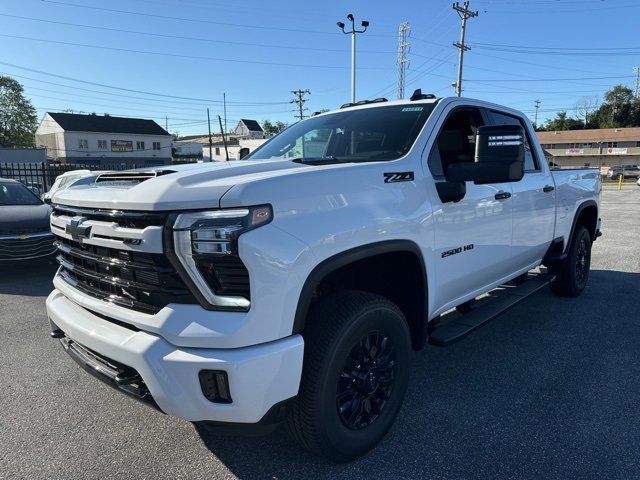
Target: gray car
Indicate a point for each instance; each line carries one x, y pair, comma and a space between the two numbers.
627, 171
25, 233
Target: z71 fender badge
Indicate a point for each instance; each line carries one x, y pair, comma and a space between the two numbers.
393, 177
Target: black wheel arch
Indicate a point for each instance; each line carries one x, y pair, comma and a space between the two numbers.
587, 213
416, 312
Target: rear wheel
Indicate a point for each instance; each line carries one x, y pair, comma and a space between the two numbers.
573, 274
355, 374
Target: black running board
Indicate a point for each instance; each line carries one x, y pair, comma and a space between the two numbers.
450, 330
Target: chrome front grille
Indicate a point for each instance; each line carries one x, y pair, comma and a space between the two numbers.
122, 265
26, 246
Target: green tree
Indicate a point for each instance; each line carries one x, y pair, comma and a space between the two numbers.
562, 122
273, 128
619, 109
18, 119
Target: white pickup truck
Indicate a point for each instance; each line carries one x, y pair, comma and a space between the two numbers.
292, 285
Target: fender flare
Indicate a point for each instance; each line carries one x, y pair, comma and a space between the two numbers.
346, 257
581, 207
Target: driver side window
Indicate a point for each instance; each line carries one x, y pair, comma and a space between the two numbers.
455, 142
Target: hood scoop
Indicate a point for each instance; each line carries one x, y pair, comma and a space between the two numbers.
129, 177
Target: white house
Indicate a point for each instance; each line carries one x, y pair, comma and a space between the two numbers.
249, 129
94, 140
187, 149
233, 146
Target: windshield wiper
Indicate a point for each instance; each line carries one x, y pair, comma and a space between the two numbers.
326, 160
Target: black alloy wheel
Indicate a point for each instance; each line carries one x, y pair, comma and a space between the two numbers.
366, 382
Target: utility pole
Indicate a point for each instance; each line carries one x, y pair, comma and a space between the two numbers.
636, 70
224, 139
353, 33
300, 100
166, 123
535, 121
210, 140
465, 14
224, 101
403, 61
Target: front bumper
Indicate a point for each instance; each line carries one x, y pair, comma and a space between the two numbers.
260, 376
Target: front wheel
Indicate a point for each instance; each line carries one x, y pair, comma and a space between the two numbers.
355, 375
573, 274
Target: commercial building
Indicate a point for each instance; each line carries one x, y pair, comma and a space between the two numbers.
603, 147
103, 140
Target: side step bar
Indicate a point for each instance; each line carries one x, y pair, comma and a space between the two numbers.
451, 330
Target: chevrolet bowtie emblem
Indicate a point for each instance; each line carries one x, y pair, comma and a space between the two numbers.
77, 230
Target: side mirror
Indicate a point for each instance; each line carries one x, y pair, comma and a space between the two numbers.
499, 157
243, 152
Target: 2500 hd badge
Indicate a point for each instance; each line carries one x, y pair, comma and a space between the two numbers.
453, 251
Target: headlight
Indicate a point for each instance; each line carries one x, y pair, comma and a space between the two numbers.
206, 245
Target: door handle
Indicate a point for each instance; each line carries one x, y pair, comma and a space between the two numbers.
548, 188
502, 195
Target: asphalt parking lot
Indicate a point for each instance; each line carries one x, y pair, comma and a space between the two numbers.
549, 390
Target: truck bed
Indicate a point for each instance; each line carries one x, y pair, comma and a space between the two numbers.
574, 187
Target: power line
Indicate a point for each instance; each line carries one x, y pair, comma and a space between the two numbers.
196, 20
180, 55
184, 37
403, 61
184, 19
300, 101
143, 92
547, 79
465, 14
539, 47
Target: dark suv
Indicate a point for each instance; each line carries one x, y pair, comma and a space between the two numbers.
25, 233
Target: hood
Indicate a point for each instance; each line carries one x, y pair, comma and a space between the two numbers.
174, 186
16, 219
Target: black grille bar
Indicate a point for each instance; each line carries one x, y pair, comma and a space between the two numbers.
38, 245
118, 376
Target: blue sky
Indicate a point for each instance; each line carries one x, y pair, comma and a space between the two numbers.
175, 58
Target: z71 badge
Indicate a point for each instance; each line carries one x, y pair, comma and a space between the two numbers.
453, 251
393, 177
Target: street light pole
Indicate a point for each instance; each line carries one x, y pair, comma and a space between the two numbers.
353, 33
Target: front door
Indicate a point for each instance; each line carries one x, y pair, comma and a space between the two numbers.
473, 235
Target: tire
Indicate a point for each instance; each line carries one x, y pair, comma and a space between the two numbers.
339, 372
573, 274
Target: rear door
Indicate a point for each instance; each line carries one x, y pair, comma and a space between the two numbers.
533, 202
473, 235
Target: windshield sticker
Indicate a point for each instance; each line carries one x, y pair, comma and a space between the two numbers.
412, 109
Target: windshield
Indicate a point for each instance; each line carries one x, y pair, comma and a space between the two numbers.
17, 194
360, 135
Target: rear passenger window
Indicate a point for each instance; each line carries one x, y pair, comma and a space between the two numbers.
531, 163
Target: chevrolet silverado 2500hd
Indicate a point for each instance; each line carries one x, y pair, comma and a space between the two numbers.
293, 284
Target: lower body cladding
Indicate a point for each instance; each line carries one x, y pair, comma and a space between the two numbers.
176, 379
